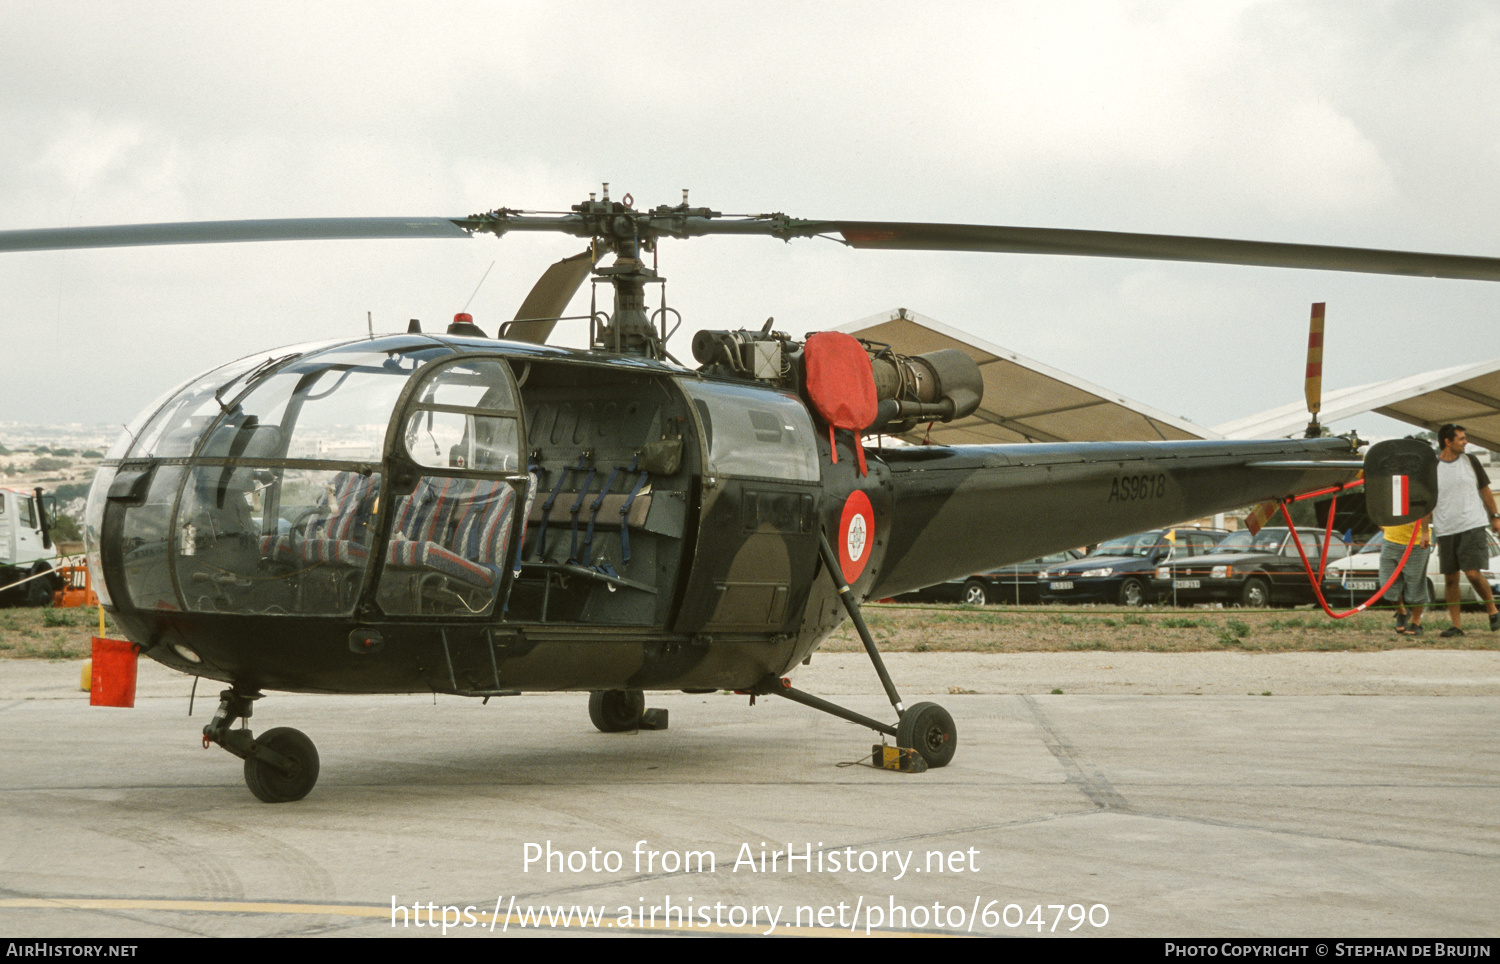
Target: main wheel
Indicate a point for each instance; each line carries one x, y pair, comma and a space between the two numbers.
1133, 593
975, 593
928, 729
272, 785
1256, 594
616, 711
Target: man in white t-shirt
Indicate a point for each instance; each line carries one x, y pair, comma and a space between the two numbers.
1465, 510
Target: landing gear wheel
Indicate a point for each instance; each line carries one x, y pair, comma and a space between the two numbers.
928, 729
1133, 593
272, 785
975, 593
1256, 594
617, 711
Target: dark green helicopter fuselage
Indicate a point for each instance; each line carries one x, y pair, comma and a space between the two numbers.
467, 516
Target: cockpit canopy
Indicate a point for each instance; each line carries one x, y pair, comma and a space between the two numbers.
256, 487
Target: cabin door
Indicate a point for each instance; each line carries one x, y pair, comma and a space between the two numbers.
461, 490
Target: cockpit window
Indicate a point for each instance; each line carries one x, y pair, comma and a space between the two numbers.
459, 440
178, 425
166, 427
471, 383
132, 432
465, 417
332, 406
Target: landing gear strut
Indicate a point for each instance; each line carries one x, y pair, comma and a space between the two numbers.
280, 767
925, 727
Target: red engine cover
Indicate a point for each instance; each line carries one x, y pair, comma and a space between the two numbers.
840, 385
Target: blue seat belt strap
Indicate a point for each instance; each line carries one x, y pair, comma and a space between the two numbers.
541, 536
625, 510
588, 539
583, 493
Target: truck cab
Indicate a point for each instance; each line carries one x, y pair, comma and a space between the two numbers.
25, 548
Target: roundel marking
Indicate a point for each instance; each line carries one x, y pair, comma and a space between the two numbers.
856, 535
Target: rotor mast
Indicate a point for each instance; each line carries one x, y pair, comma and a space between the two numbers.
629, 329
618, 227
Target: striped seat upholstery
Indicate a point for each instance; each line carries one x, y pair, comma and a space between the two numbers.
340, 533
456, 527
483, 529
425, 515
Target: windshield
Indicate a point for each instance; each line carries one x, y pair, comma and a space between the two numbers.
332, 405
1267, 540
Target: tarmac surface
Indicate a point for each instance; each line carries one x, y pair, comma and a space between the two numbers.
1154, 797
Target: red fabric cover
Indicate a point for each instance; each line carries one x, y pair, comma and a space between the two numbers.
840, 385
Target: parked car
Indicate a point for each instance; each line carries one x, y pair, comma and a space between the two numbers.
1013, 584
1119, 571
1007, 585
1251, 570
1350, 581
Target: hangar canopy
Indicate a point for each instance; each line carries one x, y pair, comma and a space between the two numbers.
1024, 400
1466, 394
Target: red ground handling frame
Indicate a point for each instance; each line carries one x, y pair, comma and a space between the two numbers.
1317, 579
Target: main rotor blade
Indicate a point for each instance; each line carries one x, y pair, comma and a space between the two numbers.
894, 235
917, 236
216, 232
549, 297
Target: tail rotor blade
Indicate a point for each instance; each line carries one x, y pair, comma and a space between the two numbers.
1313, 382
1260, 515
549, 298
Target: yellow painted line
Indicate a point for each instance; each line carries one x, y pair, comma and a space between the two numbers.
198, 906
357, 910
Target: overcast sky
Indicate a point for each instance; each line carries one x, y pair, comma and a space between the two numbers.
1354, 123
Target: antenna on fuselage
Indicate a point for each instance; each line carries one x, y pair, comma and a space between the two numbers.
478, 286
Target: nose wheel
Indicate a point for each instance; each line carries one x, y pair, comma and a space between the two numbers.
280, 767
292, 781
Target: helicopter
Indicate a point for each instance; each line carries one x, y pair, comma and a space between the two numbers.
481, 516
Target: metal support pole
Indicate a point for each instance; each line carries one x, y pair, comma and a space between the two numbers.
833, 709
851, 606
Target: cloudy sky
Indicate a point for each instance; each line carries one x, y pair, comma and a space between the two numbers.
1355, 123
